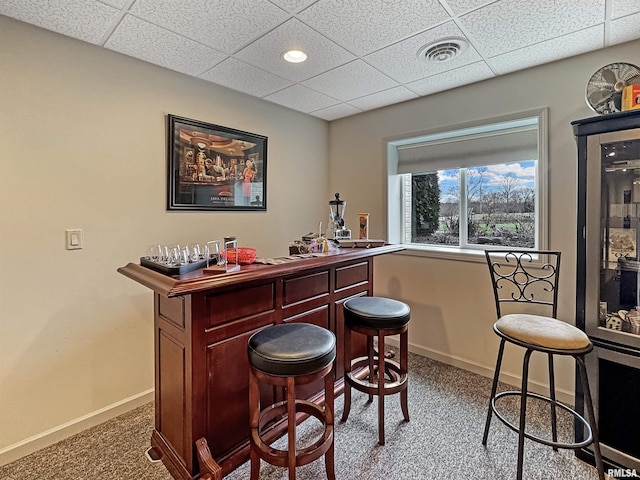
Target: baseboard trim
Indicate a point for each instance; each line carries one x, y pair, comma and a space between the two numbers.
32, 444
562, 395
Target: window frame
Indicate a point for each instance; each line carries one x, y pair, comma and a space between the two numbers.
397, 197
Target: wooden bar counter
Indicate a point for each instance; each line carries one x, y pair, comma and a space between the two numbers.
201, 327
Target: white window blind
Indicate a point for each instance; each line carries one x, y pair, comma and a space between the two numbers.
490, 145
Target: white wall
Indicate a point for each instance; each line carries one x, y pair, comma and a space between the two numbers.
83, 145
452, 303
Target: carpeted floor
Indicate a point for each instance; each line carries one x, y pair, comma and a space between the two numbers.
442, 440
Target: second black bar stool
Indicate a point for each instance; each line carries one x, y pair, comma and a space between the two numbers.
376, 317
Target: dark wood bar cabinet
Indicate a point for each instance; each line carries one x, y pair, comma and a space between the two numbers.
201, 327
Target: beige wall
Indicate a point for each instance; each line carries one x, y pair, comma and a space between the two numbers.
452, 304
82, 145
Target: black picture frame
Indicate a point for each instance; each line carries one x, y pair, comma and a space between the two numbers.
211, 167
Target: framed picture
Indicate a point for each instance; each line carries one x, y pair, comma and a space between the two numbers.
215, 168
622, 244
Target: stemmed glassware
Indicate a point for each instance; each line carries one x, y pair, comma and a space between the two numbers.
212, 252
177, 255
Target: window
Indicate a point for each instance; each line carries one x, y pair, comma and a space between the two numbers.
470, 188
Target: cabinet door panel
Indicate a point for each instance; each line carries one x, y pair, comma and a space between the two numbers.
227, 403
171, 385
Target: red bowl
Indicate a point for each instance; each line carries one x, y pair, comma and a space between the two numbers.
245, 255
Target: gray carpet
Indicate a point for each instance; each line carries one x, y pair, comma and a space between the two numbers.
442, 440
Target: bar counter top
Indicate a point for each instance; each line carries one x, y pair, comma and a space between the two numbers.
197, 281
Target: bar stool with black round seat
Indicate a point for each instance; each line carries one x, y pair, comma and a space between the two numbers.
289, 355
531, 277
376, 317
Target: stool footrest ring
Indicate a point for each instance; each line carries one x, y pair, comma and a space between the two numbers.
570, 446
304, 455
398, 383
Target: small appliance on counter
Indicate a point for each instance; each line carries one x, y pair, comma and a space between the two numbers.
337, 230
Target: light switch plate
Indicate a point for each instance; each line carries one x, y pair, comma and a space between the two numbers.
74, 239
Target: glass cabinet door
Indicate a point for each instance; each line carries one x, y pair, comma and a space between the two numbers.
612, 237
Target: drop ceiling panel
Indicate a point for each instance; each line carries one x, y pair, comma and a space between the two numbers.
116, 3
625, 29
400, 61
293, 6
462, 6
301, 98
322, 53
382, 99
246, 78
544, 52
363, 26
452, 79
88, 20
336, 111
350, 81
153, 44
505, 26
361, 53
220, 24
621, 8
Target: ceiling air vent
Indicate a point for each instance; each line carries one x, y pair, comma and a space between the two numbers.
443, 50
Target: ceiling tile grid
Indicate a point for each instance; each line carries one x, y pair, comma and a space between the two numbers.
362, 54
505, 26
621, 8
293, 6
383, 98
625, 29
245, 78
267, 51
146, 41
349, 81
549, 51
451, 79
336, 111
87, 21
302, 98
221, 24
400, 61
363, 26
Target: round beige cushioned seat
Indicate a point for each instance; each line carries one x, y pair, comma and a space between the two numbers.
543, 331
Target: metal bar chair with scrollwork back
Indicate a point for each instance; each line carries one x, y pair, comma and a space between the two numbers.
531, 278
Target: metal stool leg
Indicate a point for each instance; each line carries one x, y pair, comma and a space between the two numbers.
591, 415
552, 396
494, 388
523, 411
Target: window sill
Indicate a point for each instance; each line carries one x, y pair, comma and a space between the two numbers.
444, 253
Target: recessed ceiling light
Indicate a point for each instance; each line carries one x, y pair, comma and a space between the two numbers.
295, 56
443, 50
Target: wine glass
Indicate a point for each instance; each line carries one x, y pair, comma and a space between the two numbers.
154, 253
212, 252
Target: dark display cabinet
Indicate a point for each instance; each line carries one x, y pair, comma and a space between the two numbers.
608, 290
